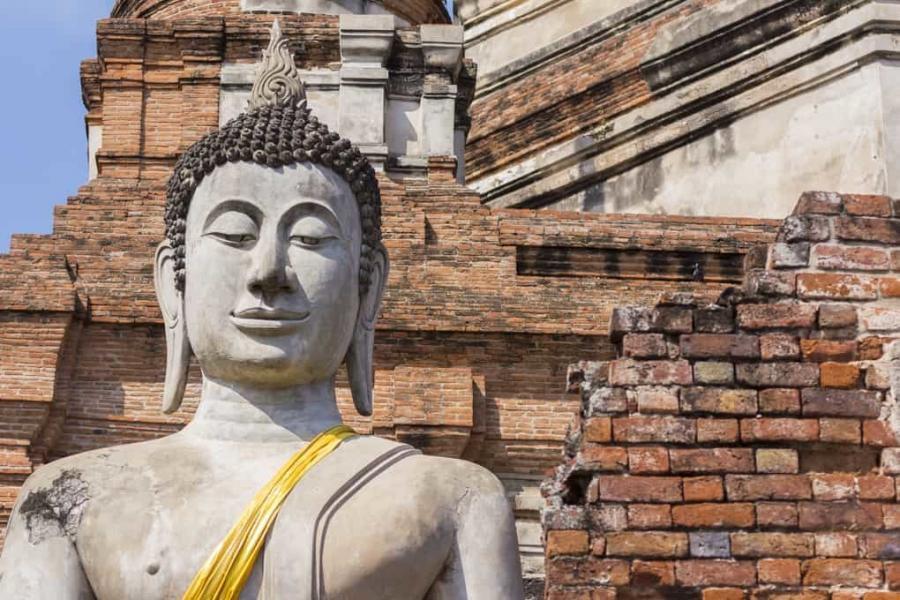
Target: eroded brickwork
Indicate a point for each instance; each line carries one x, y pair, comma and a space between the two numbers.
744, 448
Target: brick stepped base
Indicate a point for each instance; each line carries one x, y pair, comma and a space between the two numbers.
744, 449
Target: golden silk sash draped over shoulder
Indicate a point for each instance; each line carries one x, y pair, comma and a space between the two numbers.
227, 570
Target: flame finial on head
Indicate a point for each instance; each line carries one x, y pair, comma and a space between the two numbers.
279, 81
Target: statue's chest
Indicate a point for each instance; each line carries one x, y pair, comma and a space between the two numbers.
364, 545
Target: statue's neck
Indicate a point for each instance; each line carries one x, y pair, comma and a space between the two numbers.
242, 414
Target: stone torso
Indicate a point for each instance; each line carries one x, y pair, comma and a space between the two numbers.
165, 505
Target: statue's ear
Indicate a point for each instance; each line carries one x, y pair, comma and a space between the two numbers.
178, 348
360, 362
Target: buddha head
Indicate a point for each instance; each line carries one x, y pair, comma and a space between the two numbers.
272, 270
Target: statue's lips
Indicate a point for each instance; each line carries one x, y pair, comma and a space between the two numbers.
268, 320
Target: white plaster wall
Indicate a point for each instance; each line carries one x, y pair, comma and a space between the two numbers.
889, 72
404, 127
510, 35
828, 138
95, 141
322, 92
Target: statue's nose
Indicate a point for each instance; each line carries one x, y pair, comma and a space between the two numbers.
271, 272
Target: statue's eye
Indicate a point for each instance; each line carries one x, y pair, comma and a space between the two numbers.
305, 240
312, 231
235, 238
233, 228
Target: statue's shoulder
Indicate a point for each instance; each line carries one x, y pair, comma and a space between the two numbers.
447, 480
89, 469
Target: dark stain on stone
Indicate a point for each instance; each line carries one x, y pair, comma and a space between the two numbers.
55, 511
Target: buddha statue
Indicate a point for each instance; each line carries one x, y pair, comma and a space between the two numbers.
271, 275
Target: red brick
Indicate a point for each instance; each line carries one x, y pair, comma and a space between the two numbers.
892, 575
889, 287
625, 371
615, 488
703, 573
891, 515
836, 545
781, 571
841, 571
779, 401
871, 231
837, 316
760, 545
829, 487
647, 544
644, 345
881, 545
872, 347
836, 286
713, 516
841, 403
654, 429
785, 315
717, 430
582, 570
649, 516
719, 345
875, 487
568, 593
781, 374
851, 258
850, 516
777, 461
647, 320
840, 431
598, 457
828, 350
777, 514
839, 375
741, 488
878, 433
656, 399
598, 430
645, 460
703, 489
768, 429
712, 460
779, 346
819, 203
718, 400
561, 543
861, 205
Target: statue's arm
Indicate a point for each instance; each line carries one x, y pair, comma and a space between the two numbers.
40, 563
484, 564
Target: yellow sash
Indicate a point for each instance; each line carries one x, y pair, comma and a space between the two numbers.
227, 570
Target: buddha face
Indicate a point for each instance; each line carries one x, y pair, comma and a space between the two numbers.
272, 273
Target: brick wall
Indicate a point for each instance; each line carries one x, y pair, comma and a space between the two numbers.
467, 298
608, 73
744, 449
414, 11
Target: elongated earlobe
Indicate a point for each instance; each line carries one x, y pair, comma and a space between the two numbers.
360, 356
178, 348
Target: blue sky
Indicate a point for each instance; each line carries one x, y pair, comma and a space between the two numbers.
43, 153
43, 146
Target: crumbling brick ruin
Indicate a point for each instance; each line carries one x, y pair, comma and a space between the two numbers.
745, 448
